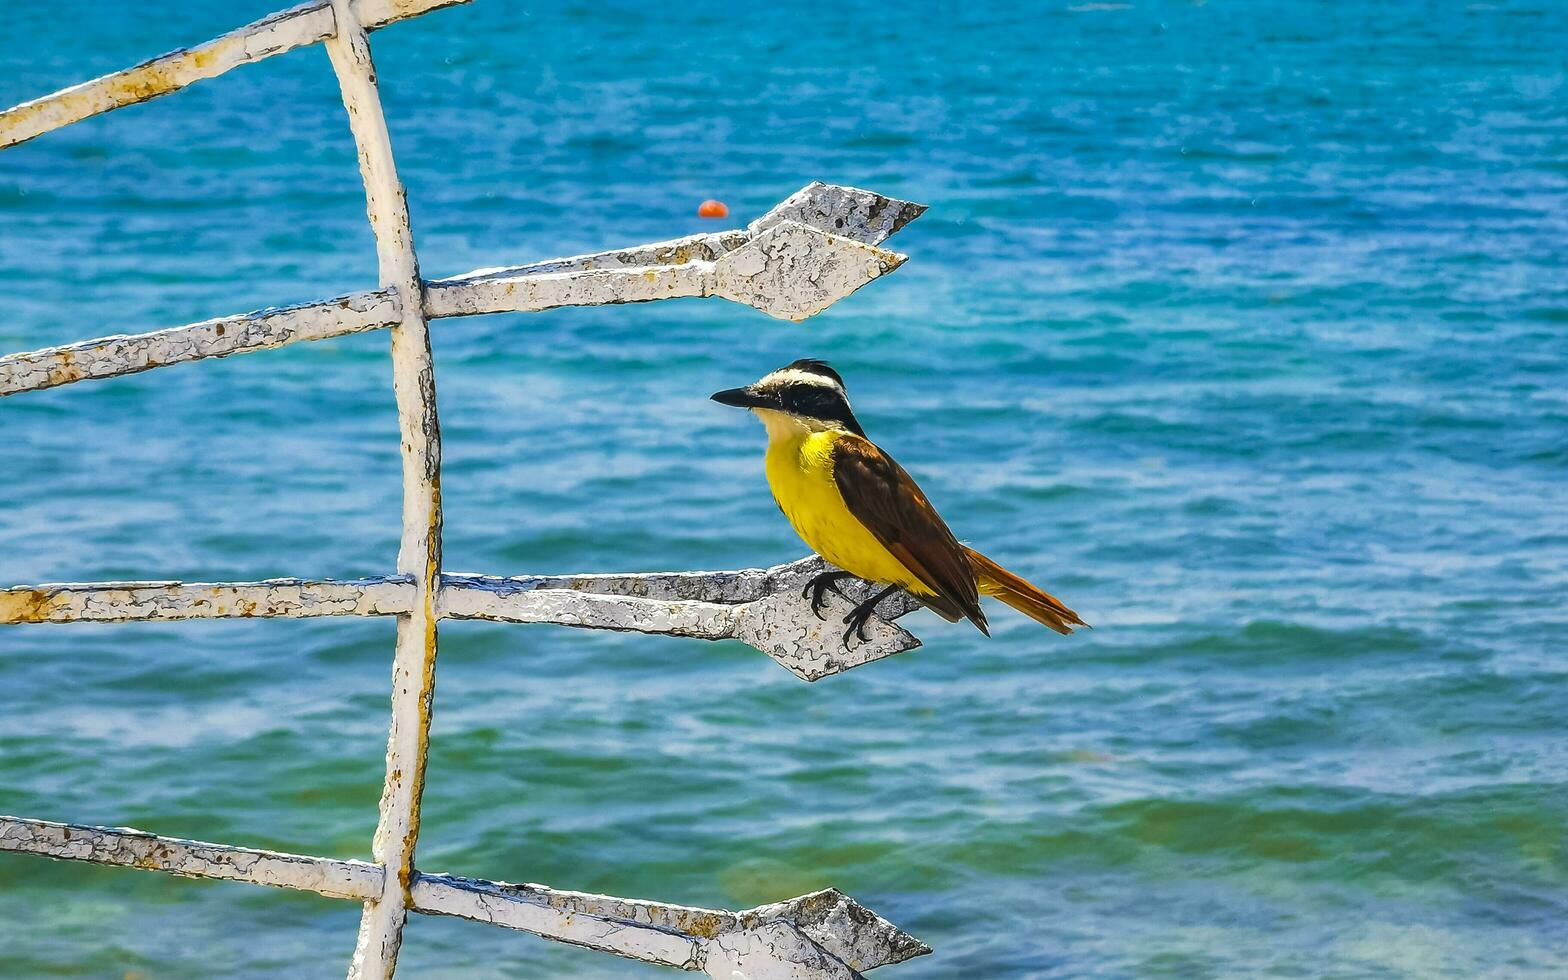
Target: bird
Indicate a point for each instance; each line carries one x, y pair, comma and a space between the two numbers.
856, 507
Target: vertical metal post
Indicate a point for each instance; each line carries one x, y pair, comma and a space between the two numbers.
413, 375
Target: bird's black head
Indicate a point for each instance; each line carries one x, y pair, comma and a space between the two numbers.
808, 390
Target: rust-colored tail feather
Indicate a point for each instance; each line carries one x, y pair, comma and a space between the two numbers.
1040, 606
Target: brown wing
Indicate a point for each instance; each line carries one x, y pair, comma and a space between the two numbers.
889, 503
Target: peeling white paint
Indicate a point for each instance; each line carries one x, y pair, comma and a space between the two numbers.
811, 645
762, 607
849, 212
307, 24
793, 271
790, 271
554, 915
110, 357
130, 848
536, 292
419, 555
772, 951
118, 602
793, 939
848, 930
824, 934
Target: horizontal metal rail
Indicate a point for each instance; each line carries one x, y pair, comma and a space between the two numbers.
826, 929
191, 858
297, 27
110, 357
763, 607
122, 602
786, 268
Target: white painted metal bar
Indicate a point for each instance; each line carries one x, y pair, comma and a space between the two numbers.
307, 24
119, 602
535, 292
625, 614
675, 251
662, 270
527, 911
790, 271
849, 212
192, 859
66, 602
826, 932
413, 382
110, 357
742, 585
764, 608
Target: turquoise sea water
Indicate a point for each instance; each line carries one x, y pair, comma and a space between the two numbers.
1240, 326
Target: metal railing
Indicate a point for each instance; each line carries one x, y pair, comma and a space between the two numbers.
814, 248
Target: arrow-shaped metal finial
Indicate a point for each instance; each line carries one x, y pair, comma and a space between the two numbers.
859, 937
850, 212
793, 271
811, 646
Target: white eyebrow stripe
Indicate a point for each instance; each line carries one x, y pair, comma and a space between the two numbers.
787, 376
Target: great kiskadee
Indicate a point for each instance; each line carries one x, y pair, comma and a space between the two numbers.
857, 508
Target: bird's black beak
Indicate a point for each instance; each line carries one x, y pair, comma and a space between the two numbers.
744, 398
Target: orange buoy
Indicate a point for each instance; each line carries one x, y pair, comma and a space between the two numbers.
712, 209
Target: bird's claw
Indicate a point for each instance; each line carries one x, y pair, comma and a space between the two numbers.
857, 625
861, 615
820, 584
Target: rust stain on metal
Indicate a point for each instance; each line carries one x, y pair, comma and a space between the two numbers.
25, 605
151, 79
65, 371
703, 924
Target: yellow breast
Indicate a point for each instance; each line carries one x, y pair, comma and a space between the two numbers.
800, 472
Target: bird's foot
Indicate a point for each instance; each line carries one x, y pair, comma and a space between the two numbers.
820, 584
861, 614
